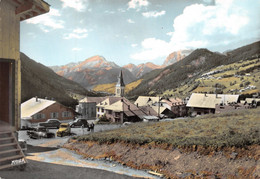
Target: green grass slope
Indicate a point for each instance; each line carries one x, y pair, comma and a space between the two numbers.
182, 78
241, 77
39, 80
239, 128
172, 76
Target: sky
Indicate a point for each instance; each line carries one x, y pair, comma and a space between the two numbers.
137, 31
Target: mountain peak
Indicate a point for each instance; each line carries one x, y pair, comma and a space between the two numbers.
175, 57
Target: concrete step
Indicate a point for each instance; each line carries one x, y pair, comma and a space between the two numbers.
7, 145
5, 166
6, 138
5, 132
11, 158
9, 151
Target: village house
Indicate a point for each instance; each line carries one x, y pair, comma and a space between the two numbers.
123, 111
93, 107
105, 103
178, 107
87, 107
200, 104
40, 110
11, 13
172, 107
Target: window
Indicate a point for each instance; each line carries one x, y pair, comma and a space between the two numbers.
39, 116
54, 115
117, 114
102, 109
66, 114
109, 112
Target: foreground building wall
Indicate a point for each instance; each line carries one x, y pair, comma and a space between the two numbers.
10, 63
11, 13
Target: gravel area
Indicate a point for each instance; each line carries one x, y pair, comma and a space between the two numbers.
48, 160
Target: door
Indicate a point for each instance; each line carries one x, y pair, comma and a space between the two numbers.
7, 91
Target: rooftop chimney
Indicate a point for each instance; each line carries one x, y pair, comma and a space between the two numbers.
36, 98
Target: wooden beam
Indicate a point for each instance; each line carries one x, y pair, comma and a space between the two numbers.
27, 6
15, 2
22, 17
40, 9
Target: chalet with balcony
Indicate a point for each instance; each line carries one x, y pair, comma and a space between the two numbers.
200, 104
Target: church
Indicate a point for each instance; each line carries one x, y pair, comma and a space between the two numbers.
120, 86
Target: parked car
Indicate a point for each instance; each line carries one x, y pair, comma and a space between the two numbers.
40, 132
51, 123
79, 122
64, 130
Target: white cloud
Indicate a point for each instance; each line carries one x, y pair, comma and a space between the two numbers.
137, 4
47, 21
153, 13
76, 49
214, 27
130, 21
110, 12
78, 33
170, 33
134, 45
121, 10
78, 5
152, 49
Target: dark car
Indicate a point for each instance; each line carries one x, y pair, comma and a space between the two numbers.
50, 123
79, 122
40, 132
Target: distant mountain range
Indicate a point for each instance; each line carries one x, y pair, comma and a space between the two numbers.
93, 71
39, 80
182, 77
97, 70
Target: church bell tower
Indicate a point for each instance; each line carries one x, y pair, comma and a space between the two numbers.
120, 86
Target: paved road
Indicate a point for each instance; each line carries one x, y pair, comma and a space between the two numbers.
48, 160
42, 170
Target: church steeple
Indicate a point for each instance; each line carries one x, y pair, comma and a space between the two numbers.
120, 86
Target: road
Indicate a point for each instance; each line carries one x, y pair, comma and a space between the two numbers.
48, 160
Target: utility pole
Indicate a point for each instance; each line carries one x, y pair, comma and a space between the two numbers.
122, 100
159, 108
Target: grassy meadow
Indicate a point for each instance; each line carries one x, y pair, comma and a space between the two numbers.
238, 128
232, 78
110, 87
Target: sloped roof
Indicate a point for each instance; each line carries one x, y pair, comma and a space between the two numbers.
127, 107
31, 107
148, 110
108, 101
92, 99
200, 100
120, 81
176, 100
156, 108
146, 100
